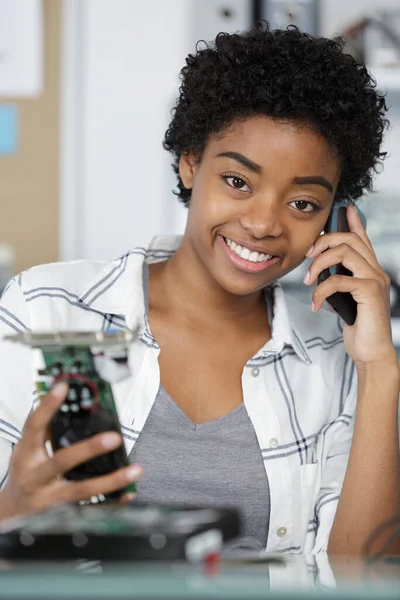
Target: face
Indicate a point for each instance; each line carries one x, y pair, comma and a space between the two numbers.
261, 195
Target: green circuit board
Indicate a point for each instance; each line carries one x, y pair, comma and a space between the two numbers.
75, 365
89, 363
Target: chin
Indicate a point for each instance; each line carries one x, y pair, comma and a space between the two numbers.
241, 286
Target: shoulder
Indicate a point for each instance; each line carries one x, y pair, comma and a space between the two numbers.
81, 293
63, 295
72, 276
41, 296
78, 276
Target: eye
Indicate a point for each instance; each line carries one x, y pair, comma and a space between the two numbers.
306, 206
237, 183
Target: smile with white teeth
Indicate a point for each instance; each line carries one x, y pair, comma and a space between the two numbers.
247, 254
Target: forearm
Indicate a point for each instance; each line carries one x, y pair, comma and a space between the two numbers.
371, 488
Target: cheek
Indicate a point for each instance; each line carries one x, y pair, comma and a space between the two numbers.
301, 242
219, 209
211, 206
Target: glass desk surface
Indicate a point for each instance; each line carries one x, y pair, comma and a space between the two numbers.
296, 577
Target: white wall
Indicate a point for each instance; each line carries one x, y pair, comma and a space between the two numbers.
130, 54
122, 59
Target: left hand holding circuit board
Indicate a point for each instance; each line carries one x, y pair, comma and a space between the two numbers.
78, 415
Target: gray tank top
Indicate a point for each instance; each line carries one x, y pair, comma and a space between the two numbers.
218, 463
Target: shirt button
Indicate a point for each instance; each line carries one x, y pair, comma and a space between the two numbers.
273, 443
282, 531
255, 372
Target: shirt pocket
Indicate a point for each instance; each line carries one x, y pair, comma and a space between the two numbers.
309, 477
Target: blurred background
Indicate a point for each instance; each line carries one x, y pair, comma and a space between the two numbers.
86, 88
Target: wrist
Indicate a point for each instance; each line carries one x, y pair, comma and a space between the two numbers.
387, 363
380, 378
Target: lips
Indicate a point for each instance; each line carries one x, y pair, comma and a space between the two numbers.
254, 247
246, 258
248, 253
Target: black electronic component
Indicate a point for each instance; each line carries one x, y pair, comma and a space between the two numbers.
342, 302
135, 532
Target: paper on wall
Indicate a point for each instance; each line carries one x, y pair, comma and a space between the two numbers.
21, 48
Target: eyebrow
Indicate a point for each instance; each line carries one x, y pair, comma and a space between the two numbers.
246, 162
256, 168
314, 180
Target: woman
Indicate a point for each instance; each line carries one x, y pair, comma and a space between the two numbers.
239, 395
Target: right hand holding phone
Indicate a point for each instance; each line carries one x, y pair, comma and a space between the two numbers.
369, 341
35, 480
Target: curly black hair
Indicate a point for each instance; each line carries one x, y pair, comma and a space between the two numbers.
282, 74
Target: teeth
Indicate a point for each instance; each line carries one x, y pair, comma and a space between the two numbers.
246, 253
254, 257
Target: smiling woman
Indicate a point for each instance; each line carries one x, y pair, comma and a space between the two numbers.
267, 185
240, 395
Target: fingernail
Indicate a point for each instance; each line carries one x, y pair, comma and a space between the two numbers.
110, 439
307, 277
60, 390
312, 307
133, 472
309, 252
130, 496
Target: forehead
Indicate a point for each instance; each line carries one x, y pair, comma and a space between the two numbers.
272, 143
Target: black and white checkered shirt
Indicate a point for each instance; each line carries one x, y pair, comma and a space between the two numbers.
299, 389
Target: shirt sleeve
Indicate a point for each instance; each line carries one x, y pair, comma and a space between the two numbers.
16, 373
336, 442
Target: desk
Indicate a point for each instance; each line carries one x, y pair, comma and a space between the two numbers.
296, 579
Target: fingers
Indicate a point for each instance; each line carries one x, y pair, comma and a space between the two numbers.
127, 498
65, 459
349, 258
36, 425
352, 240
66, 491
363, 290
356, 226
35, 475
63, 491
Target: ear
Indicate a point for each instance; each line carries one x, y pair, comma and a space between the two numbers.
187, 169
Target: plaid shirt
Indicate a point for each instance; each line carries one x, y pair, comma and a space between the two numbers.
299, 389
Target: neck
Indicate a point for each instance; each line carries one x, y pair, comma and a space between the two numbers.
187, 288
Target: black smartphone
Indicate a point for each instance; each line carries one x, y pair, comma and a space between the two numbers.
89, 362
342, 302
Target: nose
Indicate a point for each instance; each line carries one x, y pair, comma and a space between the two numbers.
262, 218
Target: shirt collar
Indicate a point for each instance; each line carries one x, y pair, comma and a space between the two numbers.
118, 289
284, 327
